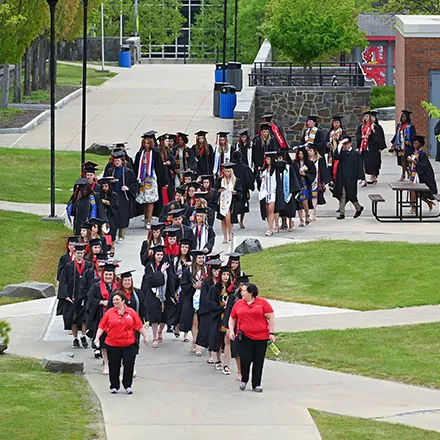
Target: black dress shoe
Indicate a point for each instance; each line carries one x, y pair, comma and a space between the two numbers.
84, 342
76, 343
340, 217
358, 213
170, 329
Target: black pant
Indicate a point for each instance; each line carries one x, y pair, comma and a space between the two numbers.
252, 352
115, 356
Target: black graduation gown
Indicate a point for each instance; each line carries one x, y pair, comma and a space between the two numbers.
237, 204
371, 156
70, 287
64, 259
436, 133
110, 165
126, 199
185, 232
209, 244
216, 337
426, 175
95, 310
111, 211
205, 161
310, 177
81, 211
244, 148
319, 140
258, 150
170, 173
247, 179
324, 177
211, 199
281, 207
189, 160
186, 301
204, 316
349, 171
158, 312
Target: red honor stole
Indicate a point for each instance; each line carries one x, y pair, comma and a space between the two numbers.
79, 267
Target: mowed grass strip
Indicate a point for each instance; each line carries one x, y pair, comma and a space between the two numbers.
32, 171
348, 274
29, 248
36, 404
336, 427
408, 354
72, 75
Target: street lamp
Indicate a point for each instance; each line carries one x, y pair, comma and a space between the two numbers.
52, 4
84, 85
225, 15
235, 30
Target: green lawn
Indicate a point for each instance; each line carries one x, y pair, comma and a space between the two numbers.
39, 405
29, 248
72, 75
6, 114
355, 275
408, 354
35, 165
383, 96
335, 427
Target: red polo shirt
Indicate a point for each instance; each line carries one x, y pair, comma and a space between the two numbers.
120, 328
251, 319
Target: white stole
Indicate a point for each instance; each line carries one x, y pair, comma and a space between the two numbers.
226, 197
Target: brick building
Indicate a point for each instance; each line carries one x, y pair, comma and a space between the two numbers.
418, 70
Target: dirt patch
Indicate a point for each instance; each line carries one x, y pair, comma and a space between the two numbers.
19, 120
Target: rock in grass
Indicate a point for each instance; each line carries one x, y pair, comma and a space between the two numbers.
62, 363
3, 347
29, 290
249, 246
101, 149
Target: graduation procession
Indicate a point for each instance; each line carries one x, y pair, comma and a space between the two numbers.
183, 195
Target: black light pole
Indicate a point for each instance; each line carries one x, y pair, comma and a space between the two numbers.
52, 5
84, 85
235, 30
225, 11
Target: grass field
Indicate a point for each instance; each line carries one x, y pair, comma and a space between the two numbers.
35, 165
408, 354
39, 405
72, 75
355, 275
336, 427
29, 248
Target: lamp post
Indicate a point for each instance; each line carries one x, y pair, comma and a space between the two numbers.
84, 85
235, 30
52, 4
225, 27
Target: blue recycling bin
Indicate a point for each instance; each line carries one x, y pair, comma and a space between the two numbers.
228, 101
124, 56
219, 72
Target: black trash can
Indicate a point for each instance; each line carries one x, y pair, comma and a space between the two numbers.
216, 101
235, 75
219, 72
228, 101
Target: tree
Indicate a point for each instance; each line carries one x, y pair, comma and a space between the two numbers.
307, 30
413, 7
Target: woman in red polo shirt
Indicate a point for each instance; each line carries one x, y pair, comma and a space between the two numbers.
120, 324
255, 322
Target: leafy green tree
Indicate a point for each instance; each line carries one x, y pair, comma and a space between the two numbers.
307, 30
413, 7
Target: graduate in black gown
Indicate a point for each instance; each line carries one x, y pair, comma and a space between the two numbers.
244, 146
169, 163
247, 179
203, 233
158, 286
191, 283
184, 157
98, 300
203, 314
71, 296
203, 153
263, 143
218, 340
117, 149
68, 256
208, 190
110, 200
312, 134
93, 274
154, 238
126, 187
184, 231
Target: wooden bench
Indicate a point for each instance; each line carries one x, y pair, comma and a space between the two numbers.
376, 198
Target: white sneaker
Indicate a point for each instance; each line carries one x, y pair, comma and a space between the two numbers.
121, 240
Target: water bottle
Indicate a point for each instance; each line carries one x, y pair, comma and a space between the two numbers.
274, 348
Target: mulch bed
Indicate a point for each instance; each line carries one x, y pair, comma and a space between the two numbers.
20, 120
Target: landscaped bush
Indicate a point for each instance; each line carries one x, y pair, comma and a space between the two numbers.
383, 96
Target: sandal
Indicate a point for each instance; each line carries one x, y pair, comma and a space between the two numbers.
160, 337
402, 178
210, 361
219, 366
186, 340
155, 343
176, 333
308, 221
198, 353
226, 370
268, 233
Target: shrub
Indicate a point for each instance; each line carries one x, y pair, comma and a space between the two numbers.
383, 96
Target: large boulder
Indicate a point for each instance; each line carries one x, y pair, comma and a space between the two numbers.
29, 290
249, 246
101, 149
62, 363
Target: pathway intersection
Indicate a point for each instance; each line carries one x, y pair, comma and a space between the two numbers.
176, 393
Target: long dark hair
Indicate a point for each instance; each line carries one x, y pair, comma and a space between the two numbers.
306, 159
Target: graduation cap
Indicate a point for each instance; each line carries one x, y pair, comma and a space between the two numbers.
313, 146
209, 177
90, 167
181, 190
222, 134
271, 153
86, 226
214, 255
110, 266
95, 242
201, 210
107, 180
243, 132
188, 173
346, 138
155, 226
264, 126
228, 165
313, 118
195, 185
197, 253
184, 136
101, 257
119, 146
171, 232
201, 133
82, 181
149, 134
118, 154
96, 221
200, 194
243, 278
73, 239
268, 117
224, 269
176, 212
186, 241
337, 118
158, 248
419, 138
406, 112
234, 256
215, 264
127, 274
79, 247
